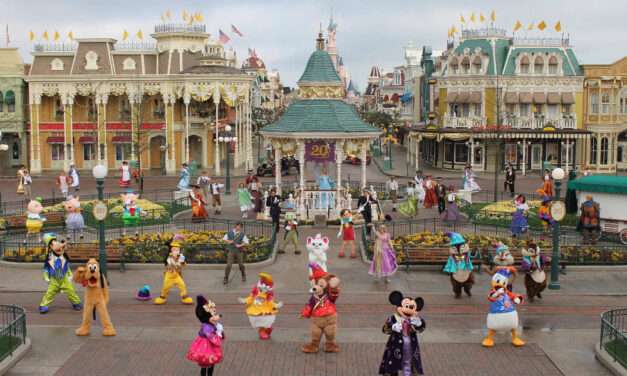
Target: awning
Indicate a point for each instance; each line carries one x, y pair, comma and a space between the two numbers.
600, 183
553, 98
463, 97
568, 98
475, 97
451, 97
539, 98
56, 140
121, 139
511, 98
87, 140
526, 98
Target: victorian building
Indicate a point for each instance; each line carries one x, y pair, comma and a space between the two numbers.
12, 109
160, 103
268, 89
605, 115
492, 99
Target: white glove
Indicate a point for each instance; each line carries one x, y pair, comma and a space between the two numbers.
397, 327
517, 300
219, 329
279, 305
501, 291
181, 258
242, 300
339, 234
416, 321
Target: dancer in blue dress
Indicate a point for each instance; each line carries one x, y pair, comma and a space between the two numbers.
183, 184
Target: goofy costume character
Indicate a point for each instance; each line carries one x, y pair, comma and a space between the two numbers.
173, 276
58, 274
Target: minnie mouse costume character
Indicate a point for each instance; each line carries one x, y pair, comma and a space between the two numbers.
206, 350
402, 327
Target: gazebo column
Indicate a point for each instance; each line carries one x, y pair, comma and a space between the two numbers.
339, 157
301, 161
277, 167
363, 156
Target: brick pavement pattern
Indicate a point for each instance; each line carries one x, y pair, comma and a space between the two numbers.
99, 357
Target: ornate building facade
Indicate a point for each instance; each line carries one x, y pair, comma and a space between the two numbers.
492, 95
605, 115
268, 88
12, 109
161, 103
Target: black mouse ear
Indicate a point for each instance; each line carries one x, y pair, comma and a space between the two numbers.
396, 297
201, 300
420, 303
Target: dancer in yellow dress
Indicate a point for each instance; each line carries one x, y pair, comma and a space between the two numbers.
173, 276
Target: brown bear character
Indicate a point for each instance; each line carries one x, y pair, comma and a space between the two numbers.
321, 310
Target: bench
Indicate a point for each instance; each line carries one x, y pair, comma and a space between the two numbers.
83, 252
18, 222
433, 256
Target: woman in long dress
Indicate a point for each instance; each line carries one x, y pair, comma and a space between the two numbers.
325, 183
183, 184
520, 225
125, 179
245, 200
451, 213
431, 199
419, 187
469, 180
199, 212
409, 208
383, 263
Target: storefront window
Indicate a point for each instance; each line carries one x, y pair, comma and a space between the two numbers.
57, 152
461, 153
122, 152
511, 151
89, 152
619, 153
524, 109
604, 150
593, 150
449, 151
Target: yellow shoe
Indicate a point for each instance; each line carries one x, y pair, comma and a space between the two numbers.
187, 300
487, 342
160, 301
516, 341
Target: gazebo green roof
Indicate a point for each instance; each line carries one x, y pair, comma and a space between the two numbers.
600, 183
320, 116
320, 69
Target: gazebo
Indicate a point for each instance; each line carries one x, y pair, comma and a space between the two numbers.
319, 127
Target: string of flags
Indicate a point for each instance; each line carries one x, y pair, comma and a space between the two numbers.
472, 19
56, 36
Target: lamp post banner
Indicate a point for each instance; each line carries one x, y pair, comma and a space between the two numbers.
319, 151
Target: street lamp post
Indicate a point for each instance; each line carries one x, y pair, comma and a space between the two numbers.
558, 175
100, 173
227, 139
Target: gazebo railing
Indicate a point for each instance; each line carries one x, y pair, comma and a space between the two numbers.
326, 202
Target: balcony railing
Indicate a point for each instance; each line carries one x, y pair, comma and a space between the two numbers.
180, 28
54, 47
464, 122
540, 122
542, 42
484, 32
135, 46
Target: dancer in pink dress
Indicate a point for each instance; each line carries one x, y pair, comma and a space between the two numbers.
206, 350
383, 263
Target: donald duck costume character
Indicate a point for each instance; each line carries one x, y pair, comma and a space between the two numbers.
502, 315
459, 265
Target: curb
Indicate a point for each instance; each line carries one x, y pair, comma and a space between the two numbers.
604, 358
17, 355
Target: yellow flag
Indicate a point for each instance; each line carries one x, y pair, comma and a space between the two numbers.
517, 26
472, 17
185, 15
162, 17
168, 14
450, 32
70, 35
462, 19
31, 36
493, 16
530, 27
453, 30
140, 34
542, 25
199, 17
125, 35
45, 35
481, 17
558, 26
56, 36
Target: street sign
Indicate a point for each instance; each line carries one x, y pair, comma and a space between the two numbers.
558, 210
100, 211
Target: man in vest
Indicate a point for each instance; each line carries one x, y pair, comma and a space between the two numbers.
590, 220
236, 240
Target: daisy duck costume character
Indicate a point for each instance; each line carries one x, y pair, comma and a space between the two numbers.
459, 265
261, 307
57, 274
173, 275
502, 315
206, 350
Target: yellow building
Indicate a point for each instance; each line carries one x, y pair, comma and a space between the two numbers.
605, 115
161, 103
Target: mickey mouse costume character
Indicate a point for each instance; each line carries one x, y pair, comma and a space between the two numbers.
58, 274
459, 265
502, 315
206, 350
321, 310
402, 351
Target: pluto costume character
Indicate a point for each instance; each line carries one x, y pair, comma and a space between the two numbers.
173, 275
459, 264
96, 298
58, 274
261, 307
502, 315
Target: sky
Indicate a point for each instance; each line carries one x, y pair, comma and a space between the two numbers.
283, 32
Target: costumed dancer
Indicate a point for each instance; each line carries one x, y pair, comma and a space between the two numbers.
502, 315
199, 213
173, 275
325, 183
589, 220
183, 184
131, 213
74, 222
317, 252
459, 265
392, 188
510, 179
547, 183
245, 200
402, 351
34, 219
321, 310
206, 350
533, 263
571, 194
520, 225
216, 196
364, 207
347, 233
409, 208
419, 185
469, 180
291, 232
431, 199
451, 212
125, 179
58, 274
503, 262
383, 263
96, 298
544, 211
261, 307
440, 192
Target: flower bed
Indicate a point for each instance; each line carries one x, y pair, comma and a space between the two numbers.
500, 214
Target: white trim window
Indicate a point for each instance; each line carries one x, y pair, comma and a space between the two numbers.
605, 103
89, 152
129, 64
57, 152
525, 109
122, 152
605, 151
594, 103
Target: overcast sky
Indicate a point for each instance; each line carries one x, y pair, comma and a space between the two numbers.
283, 31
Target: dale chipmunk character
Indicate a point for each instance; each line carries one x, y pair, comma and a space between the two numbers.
317, 248
402, 351
96, 298
58, 274
503, 262
502, 315
459, 265
321, 311
261, 307
173, 274
533, 264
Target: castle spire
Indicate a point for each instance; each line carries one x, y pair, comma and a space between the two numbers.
320, 41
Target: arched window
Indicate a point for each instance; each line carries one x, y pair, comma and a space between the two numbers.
454, 65
9, 99
129, 64
553, 65
538, 65
56, 64
476, 65
593, 151
466, 65
524, 65
91, 61
1, 102
604, 150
